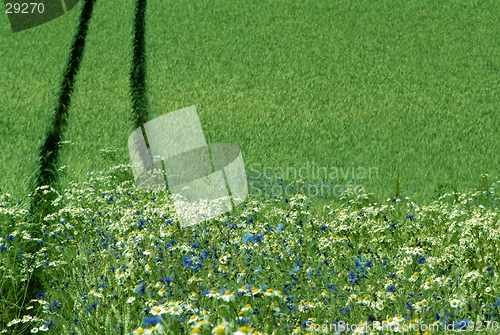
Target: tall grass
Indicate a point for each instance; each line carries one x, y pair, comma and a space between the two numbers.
113, 259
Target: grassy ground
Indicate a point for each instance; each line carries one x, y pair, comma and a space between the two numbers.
100, 115
31, 67
406, 86
407, 89
120, 263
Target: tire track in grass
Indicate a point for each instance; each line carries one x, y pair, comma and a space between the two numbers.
101, 116
138, 72
32, 66
47, 151
95, 110
50, 151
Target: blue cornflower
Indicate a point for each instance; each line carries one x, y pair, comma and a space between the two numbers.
330, 286
368, 264
140, 290
394, 224
10, 238
151, 321
390, 288
41, 295
102, 285
55, 304
323, 227
204, 254
408, 307
75, 321
187, 262
91, 306
410, 216
250, 220
243, 321
257, 238
247, 237
3, 248
140, 223
279, 228
421, 260
345, 310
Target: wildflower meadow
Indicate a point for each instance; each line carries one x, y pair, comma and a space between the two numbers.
112, 259
406, 89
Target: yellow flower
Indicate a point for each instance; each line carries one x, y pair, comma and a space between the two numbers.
219, 331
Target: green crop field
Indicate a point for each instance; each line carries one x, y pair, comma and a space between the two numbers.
100, 116
369, 134
31, 68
